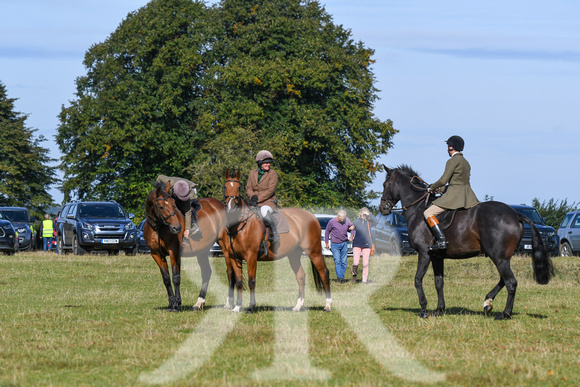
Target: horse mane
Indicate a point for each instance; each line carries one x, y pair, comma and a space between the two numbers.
406, 170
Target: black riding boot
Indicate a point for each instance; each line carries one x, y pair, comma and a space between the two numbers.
272, 223
354, 273
194, 221
440, 242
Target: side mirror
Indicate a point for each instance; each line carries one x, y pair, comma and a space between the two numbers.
131, 216
70, 216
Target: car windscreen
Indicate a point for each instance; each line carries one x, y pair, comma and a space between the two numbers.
16, 215
323, 222
532, 214
101, 210
400, 219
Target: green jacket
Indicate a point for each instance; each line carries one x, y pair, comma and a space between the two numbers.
458, 193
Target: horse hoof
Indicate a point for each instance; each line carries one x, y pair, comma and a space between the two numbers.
327, 310
487, 309
424, 315
195, 308
503, 316
250, 311
438, 313
236, 309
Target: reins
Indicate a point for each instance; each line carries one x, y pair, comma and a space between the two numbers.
424, 196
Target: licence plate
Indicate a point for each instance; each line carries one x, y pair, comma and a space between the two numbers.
527, 247
109, 241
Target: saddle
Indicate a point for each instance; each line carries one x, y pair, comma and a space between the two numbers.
282, 223
282, 227
446, 218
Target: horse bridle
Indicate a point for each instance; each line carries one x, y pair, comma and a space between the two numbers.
426, 195
226, 197
156, 219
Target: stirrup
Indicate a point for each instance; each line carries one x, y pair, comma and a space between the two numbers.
438, 246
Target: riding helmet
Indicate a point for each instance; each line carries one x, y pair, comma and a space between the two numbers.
264, 156
456, 142
181, 190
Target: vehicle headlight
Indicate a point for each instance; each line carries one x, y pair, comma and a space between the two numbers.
129, 226
405, 234
87, 226
551, 233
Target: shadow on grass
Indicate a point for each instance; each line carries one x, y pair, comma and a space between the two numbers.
261, 308
458, 311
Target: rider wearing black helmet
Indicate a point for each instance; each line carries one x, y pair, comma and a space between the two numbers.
458, 193
261, 189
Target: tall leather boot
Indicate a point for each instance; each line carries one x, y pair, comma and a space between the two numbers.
272, 224
194, 221
440, 242
354, 273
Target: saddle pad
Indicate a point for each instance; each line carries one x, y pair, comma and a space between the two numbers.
283, 226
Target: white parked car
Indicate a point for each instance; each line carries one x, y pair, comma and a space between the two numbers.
323, 219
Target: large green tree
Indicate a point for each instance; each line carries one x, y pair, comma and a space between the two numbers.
282, 71
133, 116
25, 174
183, 89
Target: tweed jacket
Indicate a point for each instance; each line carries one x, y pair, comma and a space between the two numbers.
184, 207
458, 193
265, 189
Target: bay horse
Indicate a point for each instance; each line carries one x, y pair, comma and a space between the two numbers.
491, 228
244, 236
163, 232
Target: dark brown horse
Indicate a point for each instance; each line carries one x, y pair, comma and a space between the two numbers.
245, 234
490, 228
163, 233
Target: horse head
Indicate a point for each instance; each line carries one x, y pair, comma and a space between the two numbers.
390, 196
164, 209
401, 184
232, 190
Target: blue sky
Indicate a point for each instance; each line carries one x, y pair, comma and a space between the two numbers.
503, 75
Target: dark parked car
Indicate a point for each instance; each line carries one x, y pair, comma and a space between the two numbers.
569, 233
93, 226
549, 236
390, 234
23, 223
142, 245
8, 237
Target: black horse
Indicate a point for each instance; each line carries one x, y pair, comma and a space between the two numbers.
490, 228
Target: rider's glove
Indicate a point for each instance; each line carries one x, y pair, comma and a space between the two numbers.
254, 201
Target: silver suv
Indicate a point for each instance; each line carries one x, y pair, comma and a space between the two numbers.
569, 233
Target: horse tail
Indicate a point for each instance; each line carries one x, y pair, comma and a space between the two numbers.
541, 261
317, 279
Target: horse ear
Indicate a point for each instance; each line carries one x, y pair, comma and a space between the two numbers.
238, 173
389, 171
227, 173
168, 187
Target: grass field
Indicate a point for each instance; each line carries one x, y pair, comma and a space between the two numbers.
99, 320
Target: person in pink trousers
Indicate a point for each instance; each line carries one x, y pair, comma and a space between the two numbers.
362, 242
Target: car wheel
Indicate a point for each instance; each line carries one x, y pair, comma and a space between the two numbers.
394, 248
77, 249
132, 252
60, 246
565, 250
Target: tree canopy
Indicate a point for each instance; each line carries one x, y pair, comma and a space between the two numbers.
25, 174
188, 90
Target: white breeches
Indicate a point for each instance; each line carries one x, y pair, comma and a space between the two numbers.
265, 209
